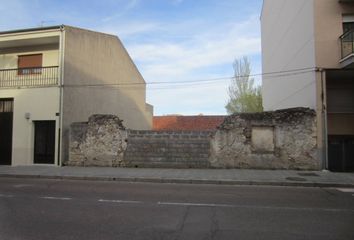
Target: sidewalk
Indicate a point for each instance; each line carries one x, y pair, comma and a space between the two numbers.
194, 176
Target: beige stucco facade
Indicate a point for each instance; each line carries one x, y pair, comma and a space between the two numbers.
93, 74
328, 17
97, 64
328, 27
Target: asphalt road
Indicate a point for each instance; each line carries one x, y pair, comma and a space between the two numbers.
58, 209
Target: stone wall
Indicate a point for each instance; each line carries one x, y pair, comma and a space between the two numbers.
284, 139
178, 149
101, 141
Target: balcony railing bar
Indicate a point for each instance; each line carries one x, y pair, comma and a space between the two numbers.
347, 43
29, 77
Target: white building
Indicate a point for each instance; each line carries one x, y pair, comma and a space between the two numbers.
308, 61
53, 76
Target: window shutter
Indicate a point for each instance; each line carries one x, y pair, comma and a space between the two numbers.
28, 61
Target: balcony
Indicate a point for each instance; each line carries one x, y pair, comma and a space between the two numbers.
347, 49
29, 77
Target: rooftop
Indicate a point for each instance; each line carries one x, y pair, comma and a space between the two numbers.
187, 123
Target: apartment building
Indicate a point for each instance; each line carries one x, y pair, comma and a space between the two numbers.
308, 58
53, 76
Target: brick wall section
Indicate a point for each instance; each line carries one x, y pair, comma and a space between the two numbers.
187, 123
177, 149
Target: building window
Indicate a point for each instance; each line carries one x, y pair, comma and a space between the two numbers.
6, 105
348, 23
348, 26
30, 64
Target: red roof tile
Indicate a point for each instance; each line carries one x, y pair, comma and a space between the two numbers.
189, 123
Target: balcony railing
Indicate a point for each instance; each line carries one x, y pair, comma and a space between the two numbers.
29, 77
347, 43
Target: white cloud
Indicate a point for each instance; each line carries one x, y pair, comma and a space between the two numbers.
166, 49
164, 60
192, 58
130, 4
189, 100
125, 30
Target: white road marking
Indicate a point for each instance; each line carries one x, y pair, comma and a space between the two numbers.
204, 204
23, 185
346, 190
6, 195
56, 198
196, 204
254, 207
119, 201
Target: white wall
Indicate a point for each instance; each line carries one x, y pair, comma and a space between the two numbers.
42, 104
9, 60
288, 44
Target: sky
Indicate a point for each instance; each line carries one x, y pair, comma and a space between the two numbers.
175, 41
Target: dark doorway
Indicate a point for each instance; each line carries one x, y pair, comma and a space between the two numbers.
341, 153
340, 119
6, 117
44, 142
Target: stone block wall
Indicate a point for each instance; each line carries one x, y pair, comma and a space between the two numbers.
284, 139
178, 149
103, 141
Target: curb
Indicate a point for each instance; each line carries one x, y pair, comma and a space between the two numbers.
185, 181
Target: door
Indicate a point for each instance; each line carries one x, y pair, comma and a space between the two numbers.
6, 117
44, 142
341, 153
349, 154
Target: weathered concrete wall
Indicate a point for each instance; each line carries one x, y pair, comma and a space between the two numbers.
284, 139
98, 59
179, 149
103, 141
100, 142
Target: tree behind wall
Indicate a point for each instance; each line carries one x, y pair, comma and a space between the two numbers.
243, 95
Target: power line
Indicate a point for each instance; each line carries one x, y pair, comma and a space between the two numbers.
201, 81
206, 83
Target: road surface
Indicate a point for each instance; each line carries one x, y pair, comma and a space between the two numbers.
36, 209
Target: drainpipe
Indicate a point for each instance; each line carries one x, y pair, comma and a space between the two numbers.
324, 117
61, 86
